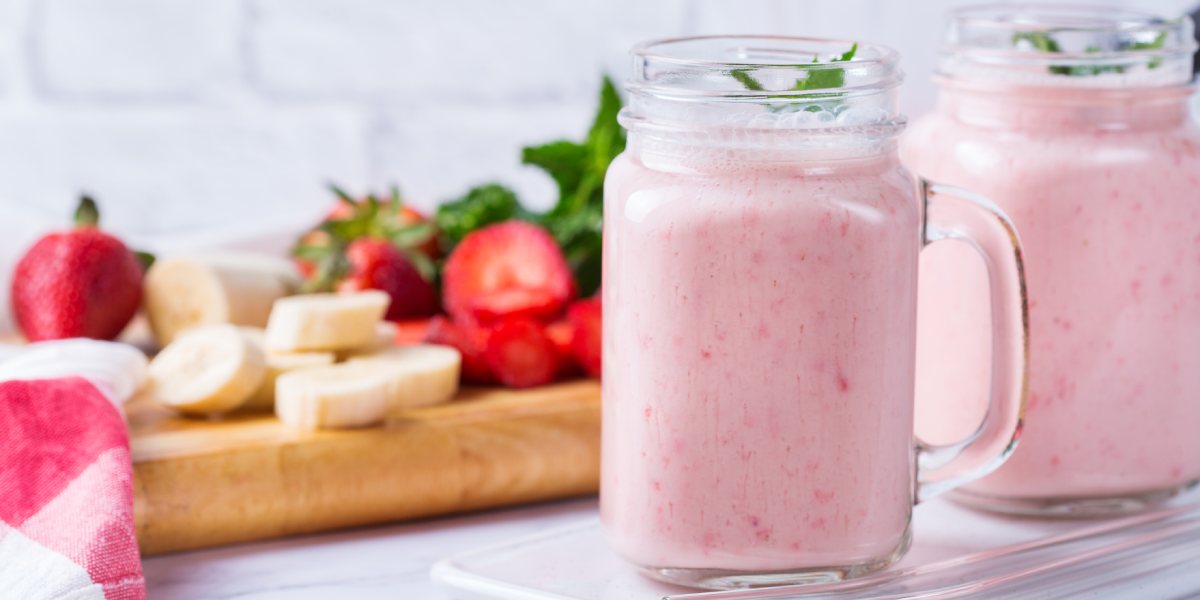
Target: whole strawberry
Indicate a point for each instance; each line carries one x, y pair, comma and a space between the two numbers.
375, 264
373, 244
77, 283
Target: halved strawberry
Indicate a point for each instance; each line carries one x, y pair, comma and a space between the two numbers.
520, 354
512, 268
585, 318
470, 341
560, 333
514, 302
411, 331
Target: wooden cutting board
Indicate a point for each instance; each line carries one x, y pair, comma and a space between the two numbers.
200, 483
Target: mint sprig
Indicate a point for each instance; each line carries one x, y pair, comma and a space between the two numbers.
823, 78
578, 169
1045, 42
746, 79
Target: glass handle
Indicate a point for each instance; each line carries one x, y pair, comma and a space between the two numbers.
953, 213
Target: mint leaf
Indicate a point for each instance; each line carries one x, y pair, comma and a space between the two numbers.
1038, 39
565, 161
579, 168
823, 79
1156, 44
605, 129
481, 206
814, 79
1043, 42
748, 81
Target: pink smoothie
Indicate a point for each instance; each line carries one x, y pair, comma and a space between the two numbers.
759, 352
1104, 188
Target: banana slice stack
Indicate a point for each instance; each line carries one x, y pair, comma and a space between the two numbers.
324, 361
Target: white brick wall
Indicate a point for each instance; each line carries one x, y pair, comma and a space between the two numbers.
230, 115
134, 49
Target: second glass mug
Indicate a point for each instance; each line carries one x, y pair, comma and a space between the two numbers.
760, 286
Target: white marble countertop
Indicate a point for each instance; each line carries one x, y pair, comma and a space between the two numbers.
378, 562
394, 561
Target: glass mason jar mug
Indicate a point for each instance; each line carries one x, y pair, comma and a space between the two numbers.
760, 291
1075, 121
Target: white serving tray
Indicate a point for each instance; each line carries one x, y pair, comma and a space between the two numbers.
956, 553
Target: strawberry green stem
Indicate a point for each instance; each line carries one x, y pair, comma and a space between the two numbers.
86, 214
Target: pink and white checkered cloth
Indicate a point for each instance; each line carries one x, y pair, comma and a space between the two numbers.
66, 489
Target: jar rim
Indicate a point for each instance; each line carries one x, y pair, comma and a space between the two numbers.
763, 90
693, 66
1065, 44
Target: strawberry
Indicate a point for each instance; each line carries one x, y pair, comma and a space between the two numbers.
584, 316
412, 331
372, 245
560, 333
511, 268
514, 302
520, 354
376, 264
78, 283
405, 217
470, 341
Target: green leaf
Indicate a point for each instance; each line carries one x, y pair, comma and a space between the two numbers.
821, 79
413, 235
1040, 40
826, 78
347, 229
87, 214
480, 207
424, 265
748, 81
330, 269
578, 169
395, 201
848, 55
1155, 44
605, 121
341, 194
563, 160
310, 252
815, 78
1044, 42
144, 258
606, 138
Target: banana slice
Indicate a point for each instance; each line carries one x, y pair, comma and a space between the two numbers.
418, 375
325, 322
385, 337
279, 363
210, 369
334, 397
182, 292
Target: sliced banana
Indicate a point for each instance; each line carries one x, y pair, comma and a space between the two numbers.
418, 375
325, 322
279, 363
182, 292
385, 337
333, 397
206, 370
